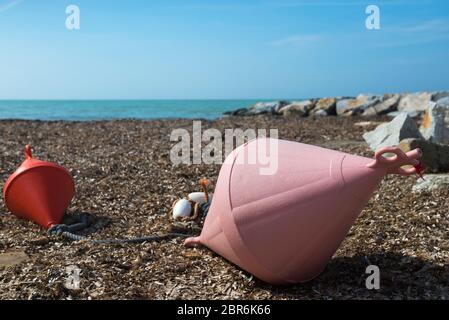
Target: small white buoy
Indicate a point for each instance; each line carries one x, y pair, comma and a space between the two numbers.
198, 197
182, 209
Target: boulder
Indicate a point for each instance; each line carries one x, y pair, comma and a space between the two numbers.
439, 95
301, 108
418, 102
432, 182
389, 104
267, 107
391, 133
435, 124
326, 104
238, 112
320, 113
435, 156
411, 114
357, 105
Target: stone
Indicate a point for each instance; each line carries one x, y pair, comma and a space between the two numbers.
301, 108
435, 124
357, 105
435, 157
418, 102
326, 104
367, 124
12, 258
391, 133
320, 113
432, 182
238, 112
267, 107
439, 95
389, 104
411, 114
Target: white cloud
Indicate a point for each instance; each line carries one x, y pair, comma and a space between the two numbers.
436, 25
9, 5
297, 40
422, 32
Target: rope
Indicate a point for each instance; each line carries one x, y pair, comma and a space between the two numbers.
67, 231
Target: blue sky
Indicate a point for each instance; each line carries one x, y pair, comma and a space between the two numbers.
199, 49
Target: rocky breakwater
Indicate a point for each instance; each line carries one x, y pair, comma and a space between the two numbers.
432, 136
366, 105
420, 120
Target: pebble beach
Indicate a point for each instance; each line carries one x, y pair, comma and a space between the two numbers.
127, 184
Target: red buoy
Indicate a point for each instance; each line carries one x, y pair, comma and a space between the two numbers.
39, 191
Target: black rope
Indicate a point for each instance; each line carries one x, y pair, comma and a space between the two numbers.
68, 231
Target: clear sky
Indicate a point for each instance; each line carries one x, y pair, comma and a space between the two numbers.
223, 49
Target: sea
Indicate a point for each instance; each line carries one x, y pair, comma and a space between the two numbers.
88, 110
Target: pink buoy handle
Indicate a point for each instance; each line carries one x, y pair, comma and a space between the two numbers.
395, 163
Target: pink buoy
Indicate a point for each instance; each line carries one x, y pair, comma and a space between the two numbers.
283, 227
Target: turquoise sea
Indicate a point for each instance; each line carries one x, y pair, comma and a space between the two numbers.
84, 110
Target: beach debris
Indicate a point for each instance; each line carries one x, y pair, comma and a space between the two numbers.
198, 197
189, 208
270, 230
367, 124
435, 156
432, 182
182, 209
12, 258
417, 102
391, 133
435, 124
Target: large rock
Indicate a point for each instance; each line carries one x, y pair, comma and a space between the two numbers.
301, 108
411, 114
267, 107
238, 112
391, 133
389, 104
435, 156
326, 104
357, 105
415, 102
435, 124
432, 182
320, 113
439, 95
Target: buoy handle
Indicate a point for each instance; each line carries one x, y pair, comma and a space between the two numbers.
189, 242
399, 159
27, 151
